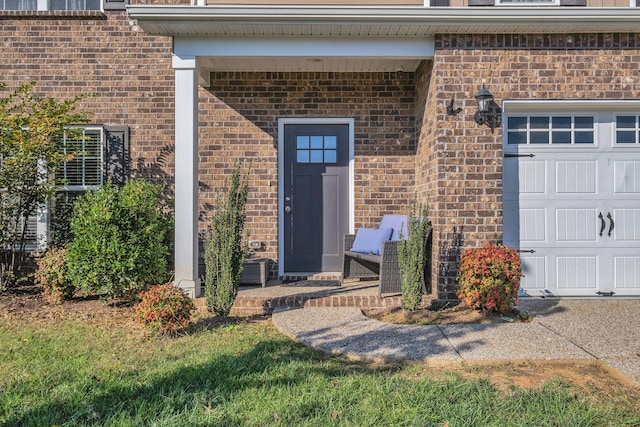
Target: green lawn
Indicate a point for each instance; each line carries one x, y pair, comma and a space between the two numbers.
81, 372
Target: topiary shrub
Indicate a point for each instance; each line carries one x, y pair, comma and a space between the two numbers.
412, 256
120, 244
225, 252
165, 308
489, 278
52, 276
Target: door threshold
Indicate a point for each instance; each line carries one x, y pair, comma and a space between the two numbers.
324, 275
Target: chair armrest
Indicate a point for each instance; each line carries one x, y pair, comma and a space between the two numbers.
348, 241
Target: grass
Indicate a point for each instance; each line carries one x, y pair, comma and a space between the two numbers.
75, 372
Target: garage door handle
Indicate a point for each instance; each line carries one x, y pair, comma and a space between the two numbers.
611, 224
602, 223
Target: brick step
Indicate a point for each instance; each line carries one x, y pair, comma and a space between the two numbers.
248, 306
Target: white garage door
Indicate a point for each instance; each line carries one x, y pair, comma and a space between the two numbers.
572, 201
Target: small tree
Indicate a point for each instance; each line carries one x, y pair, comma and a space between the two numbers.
225, 251
30, 127
412, 256
120, 240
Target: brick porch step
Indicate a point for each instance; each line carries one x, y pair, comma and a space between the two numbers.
253, 305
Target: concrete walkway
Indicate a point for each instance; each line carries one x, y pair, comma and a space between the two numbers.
569, 329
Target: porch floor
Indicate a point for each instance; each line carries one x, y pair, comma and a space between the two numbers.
255, 300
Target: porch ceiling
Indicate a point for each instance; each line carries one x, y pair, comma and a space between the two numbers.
372, 22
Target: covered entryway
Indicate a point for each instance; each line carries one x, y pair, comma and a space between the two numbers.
249, 41
572, 197
316, 193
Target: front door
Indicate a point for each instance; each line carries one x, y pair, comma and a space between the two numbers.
316, 196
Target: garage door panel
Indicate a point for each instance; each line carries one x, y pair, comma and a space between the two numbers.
574, 272
575, 225
533, 225
626, 177
576, 177
532, 178
534, 269
626, 225
626, 275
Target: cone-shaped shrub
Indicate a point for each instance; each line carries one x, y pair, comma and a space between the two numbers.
412, 256
225, 251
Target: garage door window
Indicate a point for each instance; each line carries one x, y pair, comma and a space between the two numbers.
560, 129
627, 130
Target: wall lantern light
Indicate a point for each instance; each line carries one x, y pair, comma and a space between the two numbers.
489, 113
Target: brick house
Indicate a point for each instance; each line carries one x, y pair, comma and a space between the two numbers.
348, 110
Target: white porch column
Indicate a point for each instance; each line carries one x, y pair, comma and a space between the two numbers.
186, 175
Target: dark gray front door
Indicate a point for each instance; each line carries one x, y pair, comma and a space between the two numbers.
316, 196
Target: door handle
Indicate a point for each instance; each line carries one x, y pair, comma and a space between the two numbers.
611, 224
287, 209
602, 223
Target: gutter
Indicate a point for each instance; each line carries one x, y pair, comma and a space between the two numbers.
432, 19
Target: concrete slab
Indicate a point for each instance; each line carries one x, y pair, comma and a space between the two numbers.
403, 342
510, 342
328, 329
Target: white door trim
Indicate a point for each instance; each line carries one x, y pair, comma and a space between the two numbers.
300, 120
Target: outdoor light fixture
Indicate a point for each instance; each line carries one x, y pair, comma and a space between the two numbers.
489, 113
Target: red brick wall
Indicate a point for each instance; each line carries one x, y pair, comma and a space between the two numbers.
70, 53
467, 201
239, 118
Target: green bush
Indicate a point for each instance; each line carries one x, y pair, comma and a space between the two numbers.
489, 277
164, 308
412, 256
52, 276
120, 245
225, 252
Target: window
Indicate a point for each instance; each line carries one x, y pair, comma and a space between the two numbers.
18, 4
70, 5
316, 149
527, 2
627, 129
75, 4
101, 153
557, 129
84, 170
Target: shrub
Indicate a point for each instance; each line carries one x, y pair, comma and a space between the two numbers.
225, 252
489, 278
164, 308
412, 256
120, 244
52, 276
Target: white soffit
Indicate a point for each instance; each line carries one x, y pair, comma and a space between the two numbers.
243, 21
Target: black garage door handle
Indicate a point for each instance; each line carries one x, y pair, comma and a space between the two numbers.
611, 224
602, 223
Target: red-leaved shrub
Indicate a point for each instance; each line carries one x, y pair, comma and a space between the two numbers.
52, 276
164, 308
489, 278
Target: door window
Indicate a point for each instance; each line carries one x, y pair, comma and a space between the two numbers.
317, 149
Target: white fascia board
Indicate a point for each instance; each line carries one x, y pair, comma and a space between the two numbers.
317, 47
175, 20
574, 105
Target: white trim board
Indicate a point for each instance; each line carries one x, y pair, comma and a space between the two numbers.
300, 120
